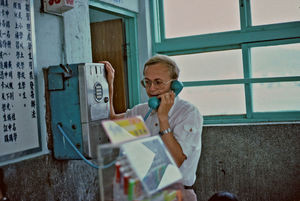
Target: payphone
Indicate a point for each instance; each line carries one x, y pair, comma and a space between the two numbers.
79, 100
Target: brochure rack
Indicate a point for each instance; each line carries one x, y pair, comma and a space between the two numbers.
140, 169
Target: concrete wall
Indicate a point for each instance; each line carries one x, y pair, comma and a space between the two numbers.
46, 179
258, 163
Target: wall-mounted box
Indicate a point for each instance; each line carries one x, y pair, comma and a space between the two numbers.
58, 6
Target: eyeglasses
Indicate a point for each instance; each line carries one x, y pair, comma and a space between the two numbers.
157, 83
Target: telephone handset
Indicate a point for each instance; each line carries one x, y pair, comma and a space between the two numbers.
176, 86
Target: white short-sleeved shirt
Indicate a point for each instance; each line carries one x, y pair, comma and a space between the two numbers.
186, 124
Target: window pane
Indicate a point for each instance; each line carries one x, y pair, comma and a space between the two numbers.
194, 17
276, 61
210, 66
270, 97
216, 100
274, 11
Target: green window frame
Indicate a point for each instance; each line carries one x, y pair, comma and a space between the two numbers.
246, 38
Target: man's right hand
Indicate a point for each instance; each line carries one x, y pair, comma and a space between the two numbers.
110, 72
110, 76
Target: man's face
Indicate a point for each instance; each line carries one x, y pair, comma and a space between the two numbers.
157, 74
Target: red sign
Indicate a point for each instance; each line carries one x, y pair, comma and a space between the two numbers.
70, 2
53, 1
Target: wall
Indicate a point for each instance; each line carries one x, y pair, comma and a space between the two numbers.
132, 5
59, 40
52, 32
46, 179
257, 163
144, 38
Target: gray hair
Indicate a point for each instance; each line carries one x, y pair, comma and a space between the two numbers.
163, 59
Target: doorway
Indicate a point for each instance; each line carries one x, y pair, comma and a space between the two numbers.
129, 74
109, 44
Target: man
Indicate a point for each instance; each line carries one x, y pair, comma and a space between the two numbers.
178, 122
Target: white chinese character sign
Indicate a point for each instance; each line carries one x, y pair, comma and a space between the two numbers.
18, 119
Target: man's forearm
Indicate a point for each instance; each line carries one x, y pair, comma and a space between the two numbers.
172, 144
113, 114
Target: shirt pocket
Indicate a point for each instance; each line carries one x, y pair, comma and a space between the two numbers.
189, 138
192, 135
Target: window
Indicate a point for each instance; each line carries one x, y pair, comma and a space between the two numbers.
217, 100
213, 66
210, 66
276, 61
274, 11
273, 97
200, 17
239, 60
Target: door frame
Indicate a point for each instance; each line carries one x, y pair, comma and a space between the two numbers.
130, 20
